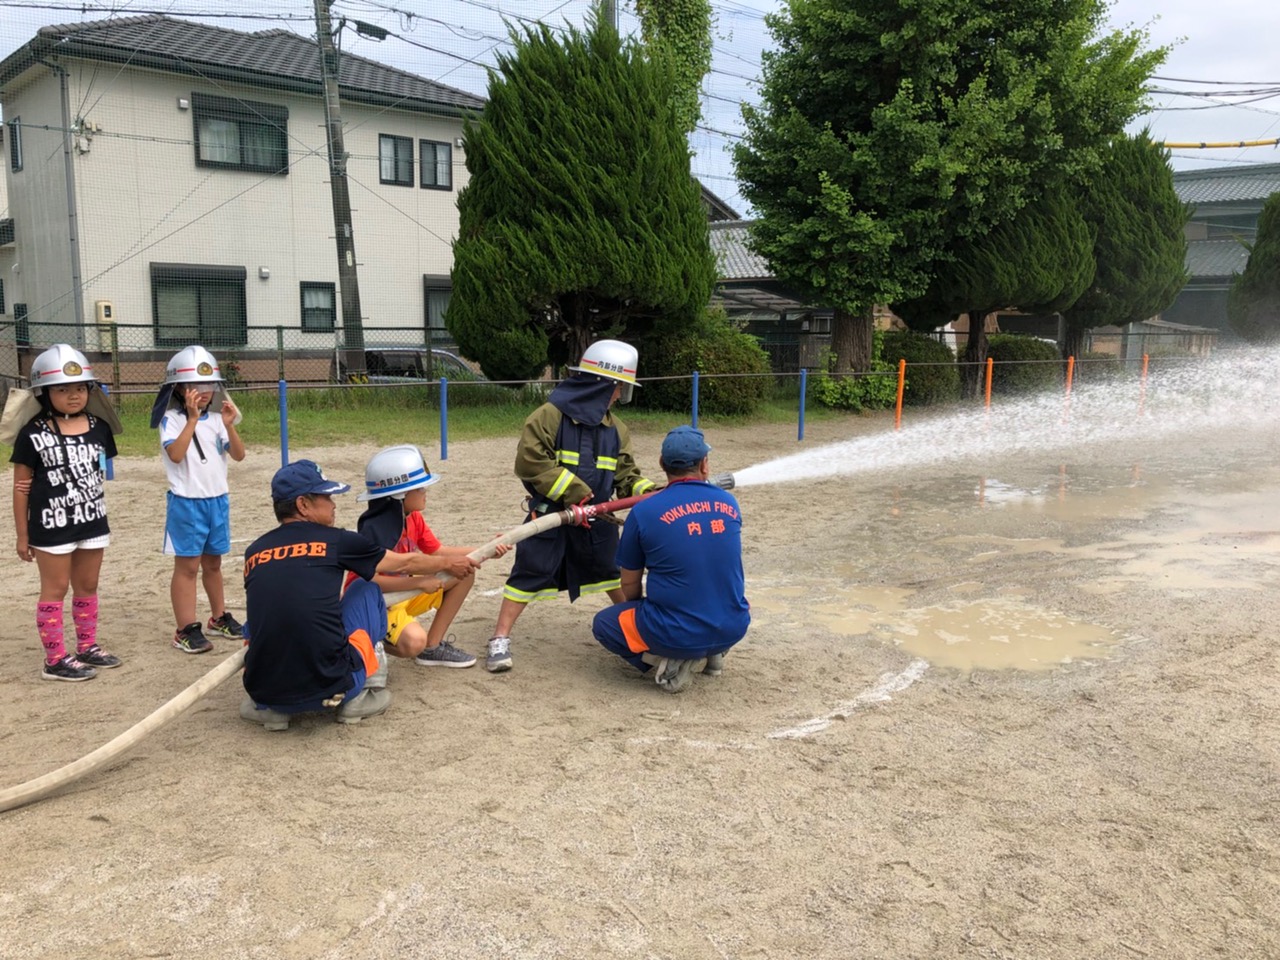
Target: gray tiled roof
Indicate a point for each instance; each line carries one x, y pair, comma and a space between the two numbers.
1216, 258
271, 58
1227, 184
736, 260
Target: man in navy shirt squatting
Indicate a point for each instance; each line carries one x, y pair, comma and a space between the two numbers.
688, 537
310, 645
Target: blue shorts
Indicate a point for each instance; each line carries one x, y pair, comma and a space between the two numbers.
196, 527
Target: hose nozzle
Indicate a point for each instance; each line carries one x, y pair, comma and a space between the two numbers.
722, 480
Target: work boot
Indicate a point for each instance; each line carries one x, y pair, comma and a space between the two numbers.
715, 665
270, 719
378, 680
370, 702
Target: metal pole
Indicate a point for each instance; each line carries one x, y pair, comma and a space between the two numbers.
344, 237
444, 418
804, 382
282, 389
695, 399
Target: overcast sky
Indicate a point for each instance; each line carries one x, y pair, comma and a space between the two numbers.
1226, 43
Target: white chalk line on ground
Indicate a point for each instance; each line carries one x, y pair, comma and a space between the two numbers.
886, 686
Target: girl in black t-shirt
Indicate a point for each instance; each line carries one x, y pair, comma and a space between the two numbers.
59, 509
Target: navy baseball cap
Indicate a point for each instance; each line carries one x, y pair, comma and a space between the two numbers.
302, 478
684, 447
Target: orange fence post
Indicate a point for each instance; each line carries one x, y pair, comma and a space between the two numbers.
1071, 369
902, 382
1142, 393
990, 366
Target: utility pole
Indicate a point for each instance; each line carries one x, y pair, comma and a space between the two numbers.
609, 12
352, 324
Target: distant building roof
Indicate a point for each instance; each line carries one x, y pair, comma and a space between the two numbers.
735, 258
276, 58
716, 208
1216, 258
1255, 181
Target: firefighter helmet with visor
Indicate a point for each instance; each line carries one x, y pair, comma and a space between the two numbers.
613, 360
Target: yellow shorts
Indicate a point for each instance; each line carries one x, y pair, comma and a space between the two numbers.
402, 614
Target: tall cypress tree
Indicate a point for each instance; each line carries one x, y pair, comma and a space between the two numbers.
1140, 246
1253, 306
581, 217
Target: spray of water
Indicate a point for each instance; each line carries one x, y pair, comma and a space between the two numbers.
1233, 390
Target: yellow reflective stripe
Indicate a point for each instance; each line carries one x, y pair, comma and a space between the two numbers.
567, 456
606, 463
523, 596
561, 485
641, 485
587, 589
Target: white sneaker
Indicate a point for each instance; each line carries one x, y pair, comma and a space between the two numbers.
498, 657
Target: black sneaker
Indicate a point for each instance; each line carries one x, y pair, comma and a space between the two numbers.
226, 625
95, 656
68, 668
191, 639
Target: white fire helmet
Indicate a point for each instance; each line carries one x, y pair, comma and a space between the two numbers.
394, 471
613, 360
192, 364
60, 364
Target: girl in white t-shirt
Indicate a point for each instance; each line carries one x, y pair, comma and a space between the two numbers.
197, 424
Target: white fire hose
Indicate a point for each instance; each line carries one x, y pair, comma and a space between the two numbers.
50, 783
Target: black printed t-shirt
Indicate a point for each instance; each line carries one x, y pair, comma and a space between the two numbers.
67, 502
298, 649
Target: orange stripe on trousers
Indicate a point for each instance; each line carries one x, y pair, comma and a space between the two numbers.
360, 640
627, 621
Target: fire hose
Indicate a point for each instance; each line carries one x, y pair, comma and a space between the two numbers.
49, 783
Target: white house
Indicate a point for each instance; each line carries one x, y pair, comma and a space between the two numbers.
173, 178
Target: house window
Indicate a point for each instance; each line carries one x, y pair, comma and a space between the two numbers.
319, 307
191, 303
437, 165
436, 293
240, 134
395, 160
15, 144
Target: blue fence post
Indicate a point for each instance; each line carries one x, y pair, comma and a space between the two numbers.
111, 461
804, 389
283, 389
444, 418
695, 399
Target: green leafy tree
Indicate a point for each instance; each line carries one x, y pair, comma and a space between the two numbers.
680, 31
1253, 305
581, 218
1139, 247
1040, 261
892, 131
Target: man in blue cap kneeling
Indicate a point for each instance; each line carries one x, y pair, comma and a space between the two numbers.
688, 537
312, 647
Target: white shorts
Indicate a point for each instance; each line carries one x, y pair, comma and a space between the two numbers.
93, 543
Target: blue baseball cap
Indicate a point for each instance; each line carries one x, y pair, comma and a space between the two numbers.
302, 478
684, 447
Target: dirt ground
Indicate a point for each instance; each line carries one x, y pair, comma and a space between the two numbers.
867, 779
